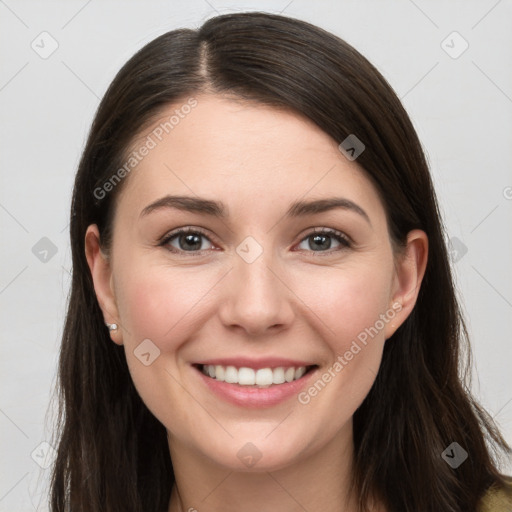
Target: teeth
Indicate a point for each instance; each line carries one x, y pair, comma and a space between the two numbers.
278, 376
299, 372
263, 377
230, 375
246, 376
220, 373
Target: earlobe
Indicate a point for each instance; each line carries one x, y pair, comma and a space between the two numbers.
410, 270
101, 273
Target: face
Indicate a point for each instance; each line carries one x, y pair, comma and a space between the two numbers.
252, 268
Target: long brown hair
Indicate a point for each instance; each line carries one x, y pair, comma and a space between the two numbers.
112, 452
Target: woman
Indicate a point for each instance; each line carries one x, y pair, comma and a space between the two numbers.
262, 315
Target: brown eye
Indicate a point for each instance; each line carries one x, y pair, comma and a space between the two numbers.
324, 240
185, 240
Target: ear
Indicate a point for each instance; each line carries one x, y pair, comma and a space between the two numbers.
101, 273
409, 271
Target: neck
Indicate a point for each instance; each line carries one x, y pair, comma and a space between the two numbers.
318, 482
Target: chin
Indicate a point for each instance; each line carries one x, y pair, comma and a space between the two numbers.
254, 453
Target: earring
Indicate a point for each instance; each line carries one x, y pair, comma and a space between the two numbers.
111, 327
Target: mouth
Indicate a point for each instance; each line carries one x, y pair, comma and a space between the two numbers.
255, 385
254, 377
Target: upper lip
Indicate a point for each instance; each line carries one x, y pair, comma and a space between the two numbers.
246, 362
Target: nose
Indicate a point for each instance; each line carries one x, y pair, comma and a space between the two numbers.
256, 298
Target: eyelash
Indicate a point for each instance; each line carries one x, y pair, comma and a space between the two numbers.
343, 239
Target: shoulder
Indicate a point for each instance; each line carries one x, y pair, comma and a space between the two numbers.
497, 499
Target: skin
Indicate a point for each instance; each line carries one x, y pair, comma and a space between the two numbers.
296, 300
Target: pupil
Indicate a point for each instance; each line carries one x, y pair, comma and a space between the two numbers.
193, 241
318, 240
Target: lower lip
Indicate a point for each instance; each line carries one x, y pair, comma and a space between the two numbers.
252, 397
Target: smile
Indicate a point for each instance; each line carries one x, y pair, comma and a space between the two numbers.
255, 384
262, 377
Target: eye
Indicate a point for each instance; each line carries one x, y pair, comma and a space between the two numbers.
321, 241
191, 240
185, 240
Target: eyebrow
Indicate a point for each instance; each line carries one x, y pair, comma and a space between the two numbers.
218, 209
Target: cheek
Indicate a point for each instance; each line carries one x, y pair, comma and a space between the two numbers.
157, 302
348, 301
351, 305
160, 305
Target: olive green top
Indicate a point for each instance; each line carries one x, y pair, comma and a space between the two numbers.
497, 499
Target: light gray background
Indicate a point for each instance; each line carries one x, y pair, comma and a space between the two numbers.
461, 107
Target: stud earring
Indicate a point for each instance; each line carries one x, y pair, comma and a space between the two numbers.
111, 327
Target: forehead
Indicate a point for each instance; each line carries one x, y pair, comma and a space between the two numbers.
249, 155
